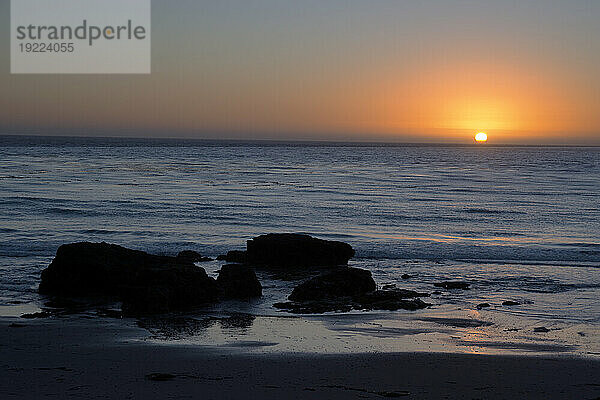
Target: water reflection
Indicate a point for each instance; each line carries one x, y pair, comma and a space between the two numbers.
183, 327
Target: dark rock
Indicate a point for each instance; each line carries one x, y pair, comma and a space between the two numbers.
191, 256
391, 300
510, 303
406, 276
541, 329
483, 305
41, 314
83, 269
341, 282
234, 256
238, 281
287, 250
391, 286
453, 285
146, 283
345, 289
164, 289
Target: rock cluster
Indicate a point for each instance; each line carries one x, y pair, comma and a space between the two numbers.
453, 285
345, 289
145, 283
152, 284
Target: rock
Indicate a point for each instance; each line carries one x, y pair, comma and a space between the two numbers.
390, 300
285, 250
453, 285
84, 269
541, 329
146, 283
238, 281
164, 289
345, 289
40, 314
510, 303
234, 256
145, 300
406, 276
341, 282
191, 256
483, 305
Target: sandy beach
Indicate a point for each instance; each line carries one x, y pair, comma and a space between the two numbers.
92, 359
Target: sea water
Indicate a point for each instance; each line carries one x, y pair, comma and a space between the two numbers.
518, 223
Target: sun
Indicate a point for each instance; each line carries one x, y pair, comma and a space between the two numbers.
481, 137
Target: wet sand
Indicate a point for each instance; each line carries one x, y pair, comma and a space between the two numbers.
65, 358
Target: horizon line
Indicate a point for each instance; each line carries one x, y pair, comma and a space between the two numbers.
284, 141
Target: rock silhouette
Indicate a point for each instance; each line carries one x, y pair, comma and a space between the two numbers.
345, 289
238, 281
337, 283
192, 256
145, 283
296, 250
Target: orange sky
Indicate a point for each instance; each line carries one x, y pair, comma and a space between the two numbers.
433, 72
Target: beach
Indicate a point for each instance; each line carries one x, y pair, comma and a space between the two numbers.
82, 358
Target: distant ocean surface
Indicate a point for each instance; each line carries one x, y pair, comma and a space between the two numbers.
520, 219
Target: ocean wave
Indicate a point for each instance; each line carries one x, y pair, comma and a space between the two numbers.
490, 211
72, 211
100, 232
535, 284
430, 250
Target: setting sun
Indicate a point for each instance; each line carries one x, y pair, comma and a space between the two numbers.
481, 137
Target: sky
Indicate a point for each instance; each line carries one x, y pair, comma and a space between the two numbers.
401, 71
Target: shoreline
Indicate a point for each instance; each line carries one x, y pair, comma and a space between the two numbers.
88, 358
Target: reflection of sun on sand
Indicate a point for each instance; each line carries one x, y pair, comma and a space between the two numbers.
481, 137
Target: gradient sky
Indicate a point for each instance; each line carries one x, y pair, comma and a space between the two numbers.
414, 71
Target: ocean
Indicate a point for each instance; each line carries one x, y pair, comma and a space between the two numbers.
519, 223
